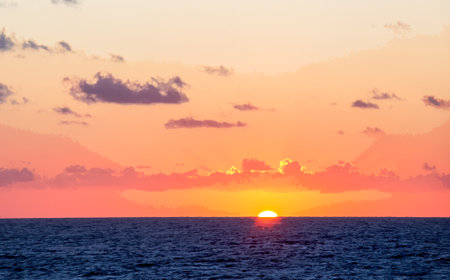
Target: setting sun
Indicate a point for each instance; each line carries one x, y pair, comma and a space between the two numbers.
267, 214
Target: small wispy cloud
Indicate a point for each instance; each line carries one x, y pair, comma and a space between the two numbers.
432, 101
8, 4
428, 167
364, 105
116, 58
382, 95
193, 123
10, 43
15, 102
73, 122
31, 44
65, 46
67, 2
398, 27
5, 92
68, 111
245, 107
6, 42
218, 70
372, 131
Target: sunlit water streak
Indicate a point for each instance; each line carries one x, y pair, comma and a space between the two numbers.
220, 248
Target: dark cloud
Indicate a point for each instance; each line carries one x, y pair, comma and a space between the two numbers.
68, 111
65, 46
398, 27
67, 2
364, 105
249, 165
10, 176
245, 107
31, 44
116, 58
380, 95
106, 88
73, 122
428, 167
4, 93
219, 70
436, 102
192, 123
6, 42
373, 131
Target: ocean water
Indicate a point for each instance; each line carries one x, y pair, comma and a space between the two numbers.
225, 248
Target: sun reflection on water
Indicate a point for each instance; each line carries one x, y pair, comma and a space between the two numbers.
267, 222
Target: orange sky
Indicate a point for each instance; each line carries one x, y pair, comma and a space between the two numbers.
356, 129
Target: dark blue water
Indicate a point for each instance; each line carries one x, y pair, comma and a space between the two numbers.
225, 248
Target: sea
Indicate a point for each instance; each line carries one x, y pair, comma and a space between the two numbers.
225, 248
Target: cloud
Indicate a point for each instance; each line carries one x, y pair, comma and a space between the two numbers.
9, 43
4, 93
67, 2
192, 123
80, 176
436, 102
249, 165
291, 175
68, 111
340, 132
65, 46
376, 94
116, 58
10, 176
428, 167
364, 105
398, 27
75, 169
31, 44
106, 88
219, 70
245, 107
15, 102
8, 4
373, 131
6, 42
407, 152
73, 122
290, 167
446, 180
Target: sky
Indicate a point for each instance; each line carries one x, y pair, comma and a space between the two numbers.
224, 108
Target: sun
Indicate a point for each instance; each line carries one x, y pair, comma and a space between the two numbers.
267, 214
